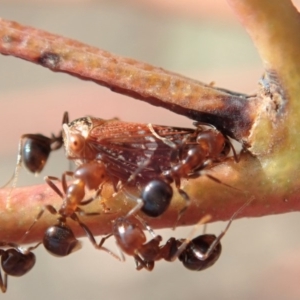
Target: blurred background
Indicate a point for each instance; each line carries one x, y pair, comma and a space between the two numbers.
201, 40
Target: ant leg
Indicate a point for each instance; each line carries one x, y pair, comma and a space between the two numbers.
147, 226
218, 180
39, 215
64, 179
49, 180
98, 192
140, 264
3, 282
213, 178
219, 237
87, 201
184, 244
18, 164
29, 249
236, 157
209, 256
50, 208
136, 208
164, 140
14, 178
21, 249
92, 238
137, 171
103, 241
187, 199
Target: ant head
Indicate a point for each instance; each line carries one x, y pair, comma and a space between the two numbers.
129, 234
15, 263
59, 240
92, 173
192, 257
211, 141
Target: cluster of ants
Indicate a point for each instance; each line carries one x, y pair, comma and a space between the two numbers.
148, 157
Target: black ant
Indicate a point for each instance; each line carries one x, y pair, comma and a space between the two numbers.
195, 254
157, 194
193, 154
128, 230
34, 151
59, 239
131, 239
201, 252
15, 261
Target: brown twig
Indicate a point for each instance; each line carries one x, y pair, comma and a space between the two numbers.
234, 113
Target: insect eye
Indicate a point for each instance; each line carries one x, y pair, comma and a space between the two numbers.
76, 142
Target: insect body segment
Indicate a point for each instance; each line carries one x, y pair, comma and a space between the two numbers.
15, 261
156, 196
195, 257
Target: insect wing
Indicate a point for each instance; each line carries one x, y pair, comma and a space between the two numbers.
125, 147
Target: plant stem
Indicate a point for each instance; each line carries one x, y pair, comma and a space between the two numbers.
139, 80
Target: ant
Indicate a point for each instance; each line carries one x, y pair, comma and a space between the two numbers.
59, 239
201, 252
194, 153
15, 261
158, 193
131, 239
196, 254
33, 153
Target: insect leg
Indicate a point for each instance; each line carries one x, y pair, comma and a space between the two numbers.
219, 237
92, 238
183, 246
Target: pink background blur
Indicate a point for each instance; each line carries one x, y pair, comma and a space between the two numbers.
205, 41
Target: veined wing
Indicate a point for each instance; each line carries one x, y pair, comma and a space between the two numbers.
126, 147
